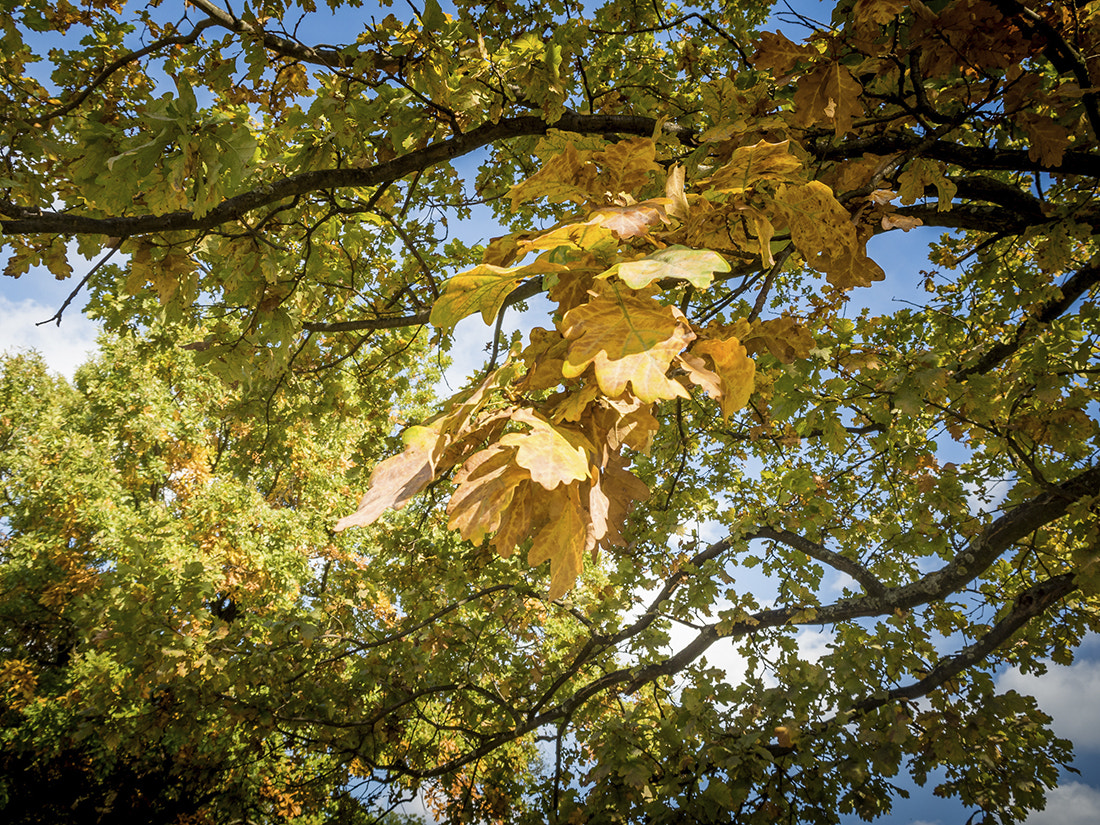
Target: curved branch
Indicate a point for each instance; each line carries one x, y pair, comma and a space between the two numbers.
1032, 602
1075, 286
332, 58
969, 157
816, 551
101, 78
982, 551
28, 221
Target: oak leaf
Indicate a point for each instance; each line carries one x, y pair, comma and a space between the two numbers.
696, 266
484, 289
629, 340
784, 338
631, 221
561, 541
921, 173
569, 176
398, 479
733, 365
780, 55
822, 230
751, 164
485, 487
879, 12
829, 94
552, 455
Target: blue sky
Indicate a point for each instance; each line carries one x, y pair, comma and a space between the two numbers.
1070, 694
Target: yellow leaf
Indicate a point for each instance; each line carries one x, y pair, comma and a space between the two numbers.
396, 480
572, 236
626, 166
879, 12
561, 541
921, 173
696, 266
486, 485
674, 192
629, 340
735, 368
515, 521
569, 176
552, 455
784, 338
483, 288
776, 52
751, 164
631, 221
822, 230
902, 222
1048, 139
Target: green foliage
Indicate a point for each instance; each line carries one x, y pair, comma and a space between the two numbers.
738, 423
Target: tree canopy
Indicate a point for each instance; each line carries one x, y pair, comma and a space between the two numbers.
256, 568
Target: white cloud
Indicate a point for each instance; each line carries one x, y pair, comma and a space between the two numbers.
1059, 693
65, 348
1074, 803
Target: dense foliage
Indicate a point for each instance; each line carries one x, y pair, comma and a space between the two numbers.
584, 588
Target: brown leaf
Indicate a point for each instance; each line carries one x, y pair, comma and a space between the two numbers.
736, 370
829, 94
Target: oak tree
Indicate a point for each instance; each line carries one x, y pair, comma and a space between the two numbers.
581, 587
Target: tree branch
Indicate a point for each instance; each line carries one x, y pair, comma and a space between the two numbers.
816, 551
1034, 601
28, 221
969, 157
1075, 286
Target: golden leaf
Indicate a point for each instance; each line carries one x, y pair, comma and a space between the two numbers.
735, 368
485, 487
779, 54
553, 455
396, 480
921, 173
696, 266
629, 340
569, 176
751, 164
822, 230
829, 94
784, 338
561, 541
483, 288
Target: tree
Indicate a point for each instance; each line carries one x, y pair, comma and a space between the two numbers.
724, 429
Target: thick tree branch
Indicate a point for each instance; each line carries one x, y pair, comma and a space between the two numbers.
816, 551
1034, 601
968, 157
28, 221
332, 58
